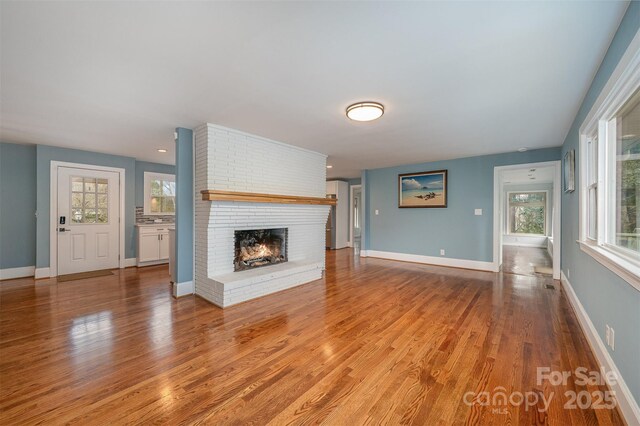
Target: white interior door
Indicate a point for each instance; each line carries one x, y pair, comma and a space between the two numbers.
87, 220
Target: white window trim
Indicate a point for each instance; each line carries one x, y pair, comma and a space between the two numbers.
546, 212
148, 177
624, 81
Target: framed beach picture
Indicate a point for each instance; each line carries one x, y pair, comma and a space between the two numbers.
426, 189
570, 171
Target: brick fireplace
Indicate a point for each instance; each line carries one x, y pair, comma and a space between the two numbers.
232, 162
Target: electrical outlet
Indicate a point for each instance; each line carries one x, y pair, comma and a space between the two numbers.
478, 212
441, 252
612, 339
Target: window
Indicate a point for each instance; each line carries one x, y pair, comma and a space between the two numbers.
159, 194
89, 200
527, 212
610, 177
624, 133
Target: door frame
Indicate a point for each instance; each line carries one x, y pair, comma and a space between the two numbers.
351, 191
53, 211
498, 211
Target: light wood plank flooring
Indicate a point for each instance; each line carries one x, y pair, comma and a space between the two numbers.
523, 260
374, 342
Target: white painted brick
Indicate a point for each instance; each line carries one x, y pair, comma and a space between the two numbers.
227, 159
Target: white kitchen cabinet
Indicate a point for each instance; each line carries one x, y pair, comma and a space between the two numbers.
164, 244
153, 244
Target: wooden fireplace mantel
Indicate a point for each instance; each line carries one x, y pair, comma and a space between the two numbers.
252, 197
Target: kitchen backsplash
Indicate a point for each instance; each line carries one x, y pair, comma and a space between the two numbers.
142, 218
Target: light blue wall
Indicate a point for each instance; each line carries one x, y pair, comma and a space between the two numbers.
17, 205
184, 205
144, 166
455, 228
607, 298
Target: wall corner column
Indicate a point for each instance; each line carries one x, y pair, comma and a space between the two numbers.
184, 243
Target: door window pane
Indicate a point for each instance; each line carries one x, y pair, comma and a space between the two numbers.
76, 216
102, 216
89, 185
89, 216
102, 186
76, 199
76, 184
89, 200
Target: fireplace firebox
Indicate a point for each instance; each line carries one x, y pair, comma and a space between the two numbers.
259, 247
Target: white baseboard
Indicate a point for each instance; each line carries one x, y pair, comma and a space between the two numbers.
132, 261
627, 404
11, 273
183, 289
152, 263
524, 245
431, 260
42, 273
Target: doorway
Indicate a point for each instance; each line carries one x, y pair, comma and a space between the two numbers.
527, 219
87, 208
355, 216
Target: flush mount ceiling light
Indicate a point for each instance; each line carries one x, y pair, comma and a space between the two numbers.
365, 111
162, 150
523, 149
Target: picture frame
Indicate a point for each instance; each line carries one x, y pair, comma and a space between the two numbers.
423, 189
569, 168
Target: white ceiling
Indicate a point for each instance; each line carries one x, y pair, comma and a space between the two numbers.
528, 175
457, 78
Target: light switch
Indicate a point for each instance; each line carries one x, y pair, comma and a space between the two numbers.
478, 212
377, 212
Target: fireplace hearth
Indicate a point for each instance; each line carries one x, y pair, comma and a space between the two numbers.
259, 247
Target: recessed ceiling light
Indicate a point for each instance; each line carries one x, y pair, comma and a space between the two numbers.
522, 149
329, 167
365, 111
162, 150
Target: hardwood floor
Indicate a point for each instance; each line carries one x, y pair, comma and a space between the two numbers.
375, 341
523, 260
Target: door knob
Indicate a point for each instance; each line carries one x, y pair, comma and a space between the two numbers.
63, 230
